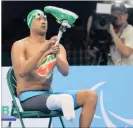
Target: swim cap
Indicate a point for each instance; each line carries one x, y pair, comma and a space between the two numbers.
32, 15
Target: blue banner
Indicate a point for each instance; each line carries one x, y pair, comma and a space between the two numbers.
114, 86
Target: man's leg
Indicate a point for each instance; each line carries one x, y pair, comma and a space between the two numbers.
85, 98
62, 102
88, 99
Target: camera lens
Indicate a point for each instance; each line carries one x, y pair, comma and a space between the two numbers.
102, 22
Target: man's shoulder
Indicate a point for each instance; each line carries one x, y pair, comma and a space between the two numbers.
128, 31
62, 47
129, 27
20, 42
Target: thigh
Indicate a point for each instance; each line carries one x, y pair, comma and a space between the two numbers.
73, 93
36, 103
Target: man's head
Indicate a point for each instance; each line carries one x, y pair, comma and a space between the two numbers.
37, 22
119, 11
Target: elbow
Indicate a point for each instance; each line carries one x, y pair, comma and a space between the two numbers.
65, 73
64, 70
22, 73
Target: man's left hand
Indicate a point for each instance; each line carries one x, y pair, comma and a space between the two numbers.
55, 49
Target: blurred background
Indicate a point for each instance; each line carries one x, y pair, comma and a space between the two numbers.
75, 41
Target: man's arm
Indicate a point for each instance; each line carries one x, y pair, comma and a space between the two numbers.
124, 49
20, 64
62, 63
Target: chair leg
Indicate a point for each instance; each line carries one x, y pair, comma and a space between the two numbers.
21, 121
61, 121
10, 123
50, 121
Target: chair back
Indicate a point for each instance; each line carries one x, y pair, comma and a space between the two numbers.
11, 81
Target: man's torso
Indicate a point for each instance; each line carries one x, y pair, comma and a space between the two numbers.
32, 81
117, 57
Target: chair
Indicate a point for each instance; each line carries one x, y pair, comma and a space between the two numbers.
11, 81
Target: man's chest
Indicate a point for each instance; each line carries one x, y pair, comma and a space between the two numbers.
32, 50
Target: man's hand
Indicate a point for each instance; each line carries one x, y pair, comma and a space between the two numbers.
62, 63
111, 29
49, 44
55, 49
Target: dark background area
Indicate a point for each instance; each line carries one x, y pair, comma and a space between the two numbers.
14, 25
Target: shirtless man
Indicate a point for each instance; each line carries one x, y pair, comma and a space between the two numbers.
33, 90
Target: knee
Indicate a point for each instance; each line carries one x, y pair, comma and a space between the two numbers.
92, 97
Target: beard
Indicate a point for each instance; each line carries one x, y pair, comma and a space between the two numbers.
40, 32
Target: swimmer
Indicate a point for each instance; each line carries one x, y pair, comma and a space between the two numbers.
33, 90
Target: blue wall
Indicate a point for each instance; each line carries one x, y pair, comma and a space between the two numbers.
115, 91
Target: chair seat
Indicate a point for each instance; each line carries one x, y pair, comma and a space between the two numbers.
38, 114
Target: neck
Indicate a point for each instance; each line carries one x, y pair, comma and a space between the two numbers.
37, 38
123, 26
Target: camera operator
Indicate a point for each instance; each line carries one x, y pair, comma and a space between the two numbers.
122, 34
117, 47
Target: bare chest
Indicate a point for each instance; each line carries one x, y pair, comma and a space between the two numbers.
32, 50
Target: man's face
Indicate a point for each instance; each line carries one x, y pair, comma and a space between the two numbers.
39, 25
120, 19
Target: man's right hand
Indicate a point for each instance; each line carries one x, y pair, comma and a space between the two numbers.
48, 45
